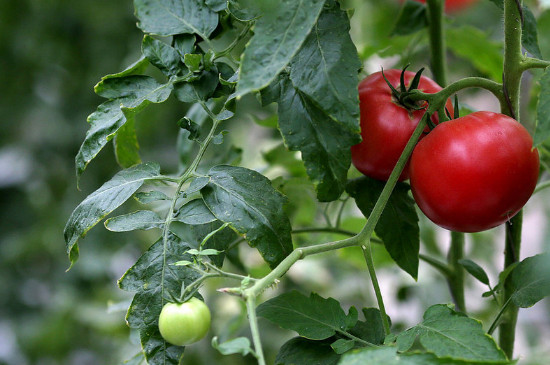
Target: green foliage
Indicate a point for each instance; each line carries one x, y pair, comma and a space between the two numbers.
451, 334
288, 198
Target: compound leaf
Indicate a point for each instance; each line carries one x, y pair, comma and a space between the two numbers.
103, 201
128, 96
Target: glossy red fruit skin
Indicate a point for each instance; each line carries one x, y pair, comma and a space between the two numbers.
386, 126
474, 173
452, 6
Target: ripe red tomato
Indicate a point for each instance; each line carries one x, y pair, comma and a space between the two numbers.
474, 173
386, 126
452, 6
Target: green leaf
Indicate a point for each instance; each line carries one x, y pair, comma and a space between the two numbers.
326, 68
192, 127
324, 143
244, 10
129, 94
475, 270
142, 219
542, 130
135, 68
161, 55
194, 235
126, 145
390, 356
475, 46
398, 224
312, 317
201, 88
193, 61
246, 200
341, 346
156, 280
529, 36
372, 329
184, 44
239, 345
146, 197
103, 201
195, 212
167, 17
447, 333
278, 35
530, 280
217, 5
411, 19
303, 351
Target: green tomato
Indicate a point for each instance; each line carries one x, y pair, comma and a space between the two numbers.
185, 323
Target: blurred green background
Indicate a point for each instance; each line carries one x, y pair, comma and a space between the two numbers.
52, 53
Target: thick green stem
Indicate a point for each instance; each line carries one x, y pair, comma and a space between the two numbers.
253, 321
367, 252
513, 59
456, 279
507, 328
437, 40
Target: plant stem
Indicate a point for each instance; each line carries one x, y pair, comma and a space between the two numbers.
456, 279
367, 252
253, 321
437, 40
440, 97
511, 81
507, 328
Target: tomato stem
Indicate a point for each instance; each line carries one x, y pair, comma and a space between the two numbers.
367, 253
253, 321
513, 69
437, 40
456, 277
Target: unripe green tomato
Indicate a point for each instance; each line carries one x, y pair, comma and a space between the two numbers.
185, 323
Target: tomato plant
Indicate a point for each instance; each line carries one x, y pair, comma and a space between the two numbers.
185, 323
386, 124
225, 222
474, 173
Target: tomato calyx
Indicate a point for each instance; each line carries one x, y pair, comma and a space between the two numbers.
402, 96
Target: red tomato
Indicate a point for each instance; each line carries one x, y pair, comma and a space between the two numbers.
386, 126
474, 173
452, 6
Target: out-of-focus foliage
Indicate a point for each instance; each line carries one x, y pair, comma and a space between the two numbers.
52, 53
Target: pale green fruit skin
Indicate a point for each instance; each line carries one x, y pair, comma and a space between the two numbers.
186, 323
